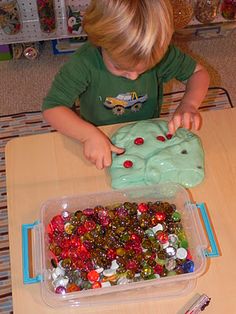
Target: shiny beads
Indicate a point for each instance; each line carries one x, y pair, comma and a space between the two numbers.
116, 244
60, 290
169, 136
138, 141
69, 228
160, 138
176, 216
128, 164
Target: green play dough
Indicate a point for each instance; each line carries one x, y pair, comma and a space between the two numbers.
179, 159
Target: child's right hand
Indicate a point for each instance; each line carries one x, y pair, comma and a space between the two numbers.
98, 149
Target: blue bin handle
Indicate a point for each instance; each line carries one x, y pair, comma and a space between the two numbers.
214, 248
25, 254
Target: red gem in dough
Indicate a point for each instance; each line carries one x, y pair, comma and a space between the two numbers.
161, 138
138, 141
169, 136
128, 164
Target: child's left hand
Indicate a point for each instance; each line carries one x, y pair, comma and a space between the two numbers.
186, 116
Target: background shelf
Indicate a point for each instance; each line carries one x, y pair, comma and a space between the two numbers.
31, 31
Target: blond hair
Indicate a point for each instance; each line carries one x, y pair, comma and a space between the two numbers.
131, 31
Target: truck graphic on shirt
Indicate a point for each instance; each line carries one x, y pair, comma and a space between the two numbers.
124, 101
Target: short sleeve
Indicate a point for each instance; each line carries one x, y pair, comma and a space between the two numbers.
175, 64
70, 82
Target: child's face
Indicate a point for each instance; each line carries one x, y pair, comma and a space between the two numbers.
118, 71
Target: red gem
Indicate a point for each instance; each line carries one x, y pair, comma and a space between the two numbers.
131, 265
128, 164
73, 254
102, 213
135, 238
138, 141
169, 136
80, 264
84, 256
57, 223
121, 212
105, 221
93, 275
75, 241
81, 230
64, 253
161, 216
162, 237
89, 266
158, 269
137, 249
142, 207
153, 256
65, 243
189, 256
161, 138
88, 211
96, 285
111, 254
89, 225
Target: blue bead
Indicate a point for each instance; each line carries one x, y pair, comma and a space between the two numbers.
188, 266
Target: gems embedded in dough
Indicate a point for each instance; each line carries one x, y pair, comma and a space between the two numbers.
155, 156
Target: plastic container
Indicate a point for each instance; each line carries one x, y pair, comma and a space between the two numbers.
182, 13
228, 9
206, 11
164, 287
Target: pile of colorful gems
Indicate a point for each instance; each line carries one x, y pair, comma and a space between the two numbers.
112, 245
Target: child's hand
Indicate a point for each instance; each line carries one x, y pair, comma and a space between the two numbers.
98, 149
186, 116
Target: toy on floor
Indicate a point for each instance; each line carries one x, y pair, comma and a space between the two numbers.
152, 156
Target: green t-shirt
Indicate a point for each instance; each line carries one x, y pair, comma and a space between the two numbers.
108, 99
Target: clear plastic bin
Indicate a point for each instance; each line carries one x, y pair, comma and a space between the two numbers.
164, 287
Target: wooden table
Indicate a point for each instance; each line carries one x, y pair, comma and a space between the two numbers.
40, 167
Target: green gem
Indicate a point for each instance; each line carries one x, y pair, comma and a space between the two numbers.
125, 237
147, 271
151, 277
184, 244
150, 234
176, 216
181, 235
